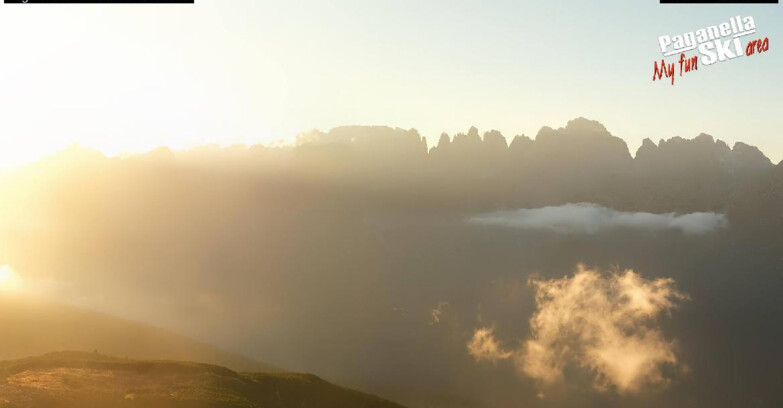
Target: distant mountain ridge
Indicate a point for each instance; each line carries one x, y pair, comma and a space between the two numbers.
581, 162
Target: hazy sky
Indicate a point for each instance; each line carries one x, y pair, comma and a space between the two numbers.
128, 78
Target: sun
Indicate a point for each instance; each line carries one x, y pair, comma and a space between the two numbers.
9, 279
5, 273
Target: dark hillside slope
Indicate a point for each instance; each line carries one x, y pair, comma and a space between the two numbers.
31, 327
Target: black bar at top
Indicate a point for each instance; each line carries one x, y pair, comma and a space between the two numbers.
719, 1
98, 1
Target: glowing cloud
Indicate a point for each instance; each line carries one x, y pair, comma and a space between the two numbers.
484, 347
601, 323
437, 312
590, 218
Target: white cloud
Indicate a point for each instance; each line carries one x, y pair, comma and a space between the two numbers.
588, 218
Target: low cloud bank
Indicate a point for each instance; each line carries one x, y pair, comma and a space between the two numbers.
585, 218
603, 324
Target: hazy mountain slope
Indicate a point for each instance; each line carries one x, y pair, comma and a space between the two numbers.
758, 208
77, 379
697, 174
32, 327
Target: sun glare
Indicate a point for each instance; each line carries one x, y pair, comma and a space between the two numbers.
9, 279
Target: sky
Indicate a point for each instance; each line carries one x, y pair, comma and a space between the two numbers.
129, 78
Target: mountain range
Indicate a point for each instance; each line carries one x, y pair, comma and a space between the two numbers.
355, 254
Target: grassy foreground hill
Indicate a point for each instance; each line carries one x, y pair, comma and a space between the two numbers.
83, 380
